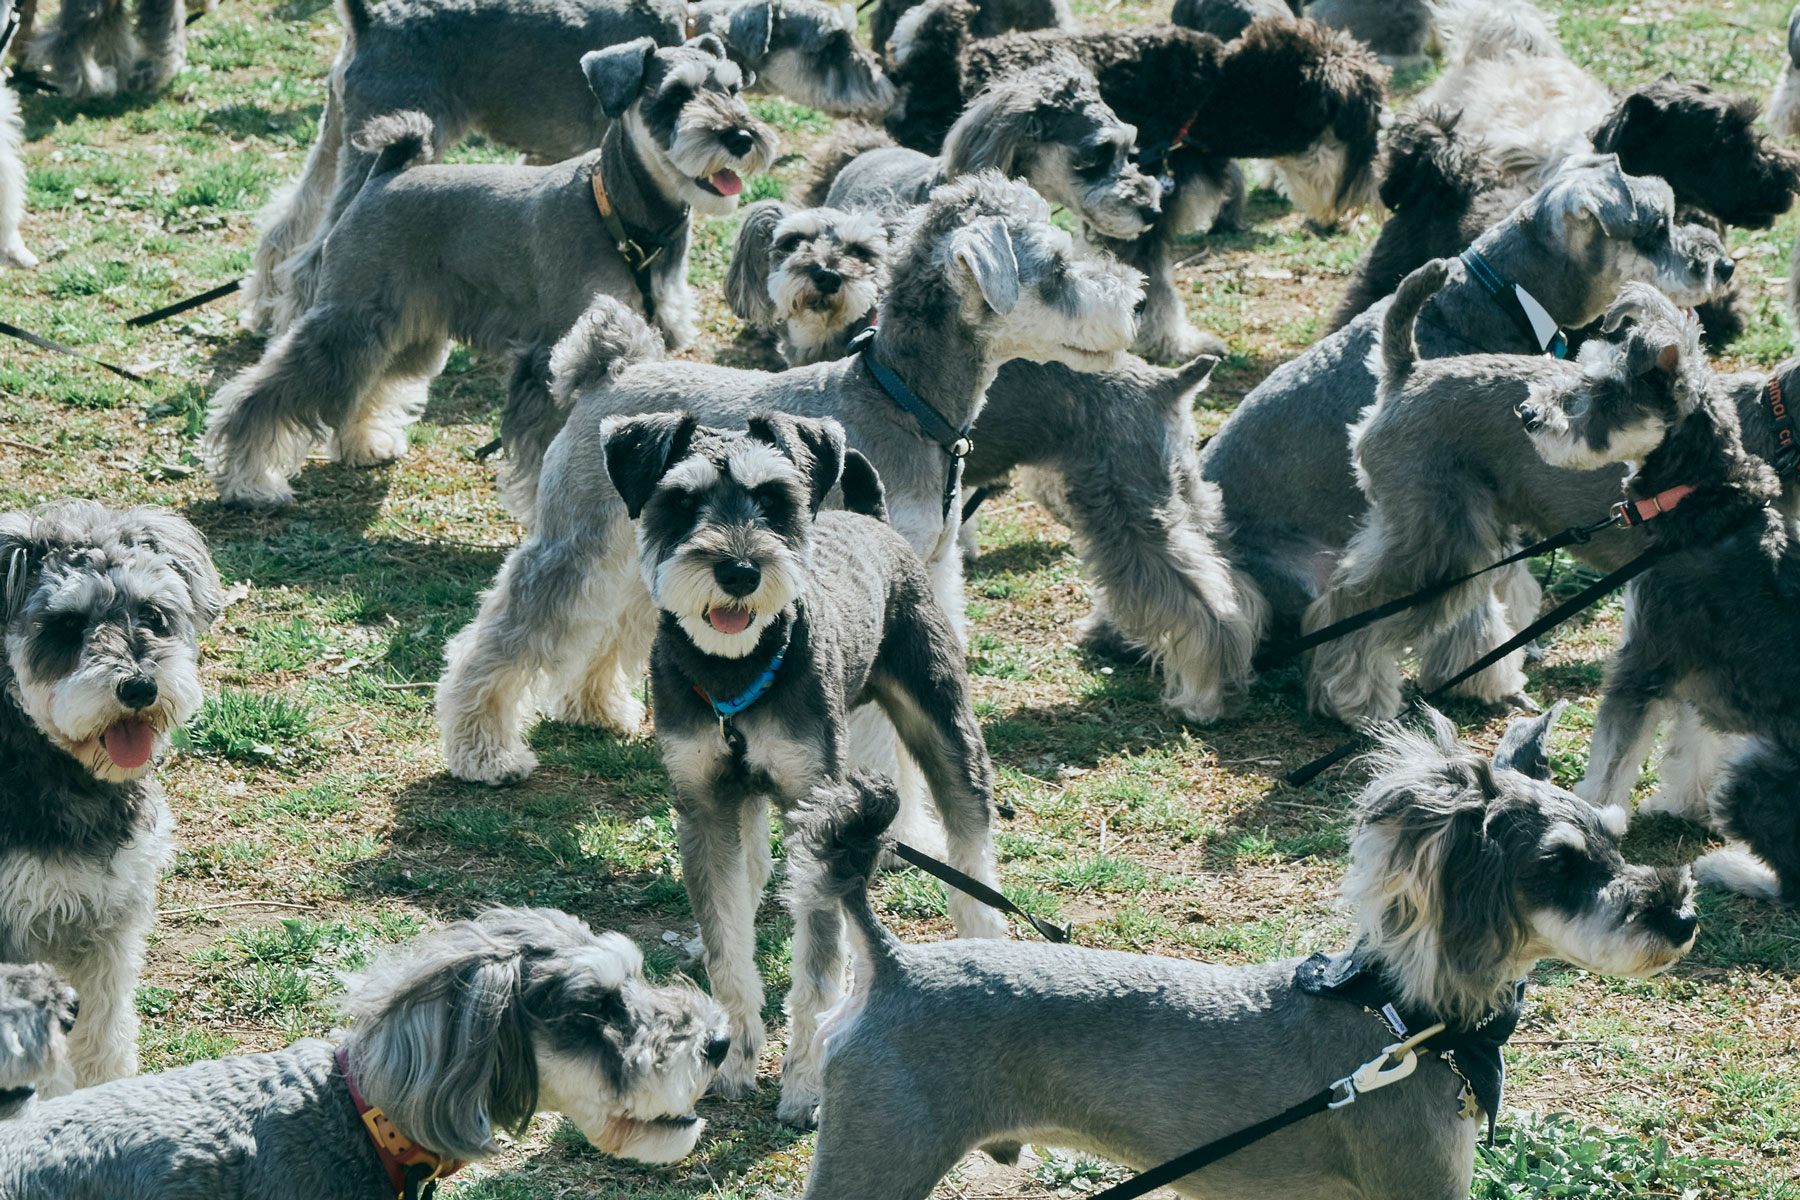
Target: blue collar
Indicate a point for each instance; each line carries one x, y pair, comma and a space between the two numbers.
932, 423
1538, 326
750, 695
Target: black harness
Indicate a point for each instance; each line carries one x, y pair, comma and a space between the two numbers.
932, 424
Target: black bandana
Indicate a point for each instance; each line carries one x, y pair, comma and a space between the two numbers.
1472, 1052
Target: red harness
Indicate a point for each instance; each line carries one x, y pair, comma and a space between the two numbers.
396, 1151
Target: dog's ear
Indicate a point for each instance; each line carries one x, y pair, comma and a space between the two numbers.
815, 445
1525, 746
616, 74
989, 134
1636, 118
20, 558
863, 492
185, 548
748, 33
747, 279
640, 451
984, 249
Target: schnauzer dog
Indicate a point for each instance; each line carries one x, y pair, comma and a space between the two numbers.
775, 621
1046, 125
991, 18
1463, 873
103, 610
1227, 19
505, 257
37, 1011
1707, 624
807, 278
979, 276
1308, 97
468, 1031
482, 66
12, 171
92, 53
1283, 459
1400, 32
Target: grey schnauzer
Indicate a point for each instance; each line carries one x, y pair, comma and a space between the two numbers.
92, 52
1400, 32
1708, 625
1046, 125
504, 257
979, 276
775, 621
1227, 19
102, 612
1463, 873
1307, 97
466, 1032
508, 68
991, 18
808, 278
37, 1011
1283, 458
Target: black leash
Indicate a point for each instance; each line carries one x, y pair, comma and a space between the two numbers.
932, 424
1588, 596
181, 306
976, 499
946, 873
1573, 535
30, 338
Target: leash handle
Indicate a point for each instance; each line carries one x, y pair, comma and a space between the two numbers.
969, 885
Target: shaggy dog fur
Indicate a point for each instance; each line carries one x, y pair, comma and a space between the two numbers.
992, 18
37, 1011
1227, 19
93, 53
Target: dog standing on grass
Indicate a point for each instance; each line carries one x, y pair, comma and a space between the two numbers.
102, 611
1463, 874
504, 257
774, 621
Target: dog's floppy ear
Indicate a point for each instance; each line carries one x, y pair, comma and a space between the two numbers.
815, 445
748, 33
20, 558
863, 492
1636, 118
985, 250
1525, 746
184, 546
747, 279
640, 451
616, 74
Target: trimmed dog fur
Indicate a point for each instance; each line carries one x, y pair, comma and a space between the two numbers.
1463, 873
12, 171
102, 613
992, 18
466, 1032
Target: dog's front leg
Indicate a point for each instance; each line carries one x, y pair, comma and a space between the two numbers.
1692, 758
103, 1043
12, 185
162, 31
1164, 332
817, 983
1624, 732
717, 874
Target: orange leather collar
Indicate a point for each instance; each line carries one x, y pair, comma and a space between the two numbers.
396, 1150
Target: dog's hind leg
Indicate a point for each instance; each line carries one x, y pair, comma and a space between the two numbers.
162, 33
292, 217
1631, 708
297, 278
1689, 768
1757, 803
12, 184
600, 690
376, 432
86, 48
717, 875
884, 1143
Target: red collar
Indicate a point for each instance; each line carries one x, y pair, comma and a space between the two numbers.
1635, 512
396, 1151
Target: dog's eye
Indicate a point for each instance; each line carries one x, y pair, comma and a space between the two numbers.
772, 498
152, 618
66, 628
864, 253
1567, 863
788, 244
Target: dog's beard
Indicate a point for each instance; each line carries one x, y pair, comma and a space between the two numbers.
653, 1122
1563, 443
683, 586
1604, 942
710, 178
81, 715
841, 89
1687, 274
813, 320
1114, 206
1088, 331
1314, 181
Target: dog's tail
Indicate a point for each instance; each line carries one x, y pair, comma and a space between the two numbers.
1482, 30
397, 140
863, 492
852, 140
841, 834
355, 16
1398, 351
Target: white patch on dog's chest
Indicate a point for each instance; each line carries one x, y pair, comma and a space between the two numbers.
792, 768
40, 894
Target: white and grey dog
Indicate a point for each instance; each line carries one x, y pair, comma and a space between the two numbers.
980, 276
12, 171
808, 277
1463, 874
37, 1011
775, 621
504, 257
466, 1032
102, 612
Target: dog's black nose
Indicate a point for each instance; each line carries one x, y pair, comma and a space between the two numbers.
717, 1047
739, 141
738, 578
827, 281
1534, 420
1676, 924
1725, 270
136, 692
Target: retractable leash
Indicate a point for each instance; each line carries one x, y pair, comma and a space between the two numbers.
1370, 1077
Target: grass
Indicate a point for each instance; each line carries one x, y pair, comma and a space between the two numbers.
311, 800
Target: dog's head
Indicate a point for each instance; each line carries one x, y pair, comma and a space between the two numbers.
983, 247
37, 1011
684, 110
807, 50
102, 611
1616, 229
1465, 872
1637, 382
813, 272
1049, 126
1706, 146
724, 517
1784, 103
1310, 98
477, 1027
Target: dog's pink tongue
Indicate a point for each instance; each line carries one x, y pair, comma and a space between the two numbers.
726, 183
728, 620
129, 744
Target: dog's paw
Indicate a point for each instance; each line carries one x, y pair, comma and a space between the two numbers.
14, 254
1687, 804
736, 1078
371, 445
798, 1111
152, 74
620, 713
496, 768
266, 492
1097, 635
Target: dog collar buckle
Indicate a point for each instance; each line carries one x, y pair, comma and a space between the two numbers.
962, 447
1627, 513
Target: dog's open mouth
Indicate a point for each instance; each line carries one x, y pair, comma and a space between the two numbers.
129, 743
624, 1134
722, 183
729, 620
